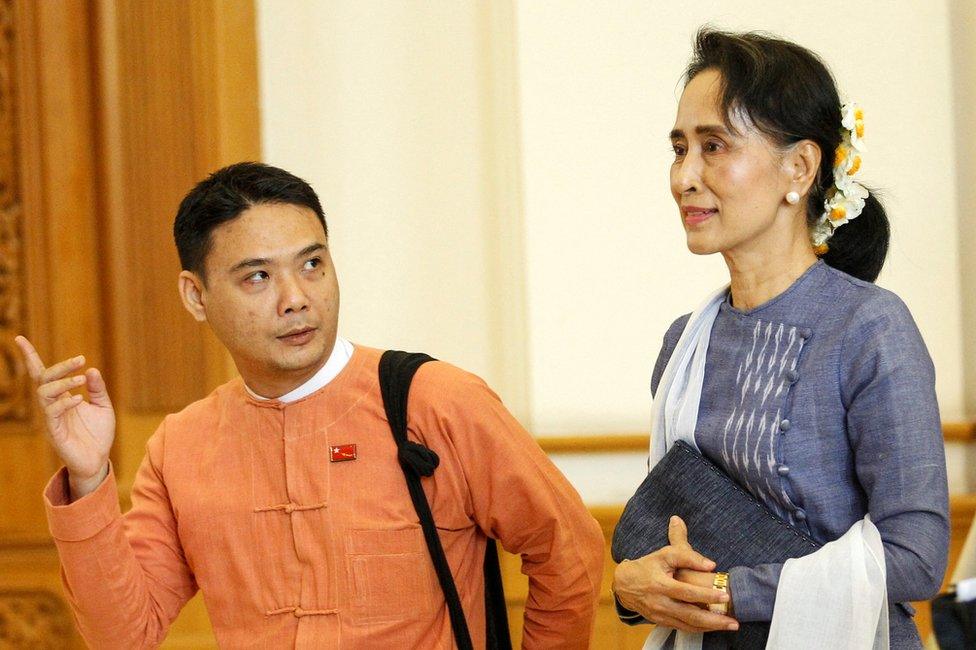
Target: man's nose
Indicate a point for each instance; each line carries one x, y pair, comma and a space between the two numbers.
291, 295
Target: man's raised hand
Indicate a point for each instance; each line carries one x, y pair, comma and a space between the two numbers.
81, 432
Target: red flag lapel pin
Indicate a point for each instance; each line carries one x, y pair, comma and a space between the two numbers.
340, 453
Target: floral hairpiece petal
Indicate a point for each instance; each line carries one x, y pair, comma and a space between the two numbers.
846, 199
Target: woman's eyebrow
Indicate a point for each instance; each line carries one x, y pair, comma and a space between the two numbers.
712, 129
707, 129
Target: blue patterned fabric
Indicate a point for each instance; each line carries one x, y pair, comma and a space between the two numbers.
821, 402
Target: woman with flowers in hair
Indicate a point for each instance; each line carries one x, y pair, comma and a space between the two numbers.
802, 381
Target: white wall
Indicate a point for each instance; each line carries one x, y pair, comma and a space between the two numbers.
495, 175
607, 267
381, 106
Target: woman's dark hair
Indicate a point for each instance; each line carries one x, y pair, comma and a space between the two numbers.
224, 195
787, 92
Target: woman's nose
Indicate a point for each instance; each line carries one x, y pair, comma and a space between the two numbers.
686, 174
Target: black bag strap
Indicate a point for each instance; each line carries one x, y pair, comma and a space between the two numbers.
396, 372
496, 611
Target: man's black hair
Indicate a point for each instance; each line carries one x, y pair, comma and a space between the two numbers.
224, 195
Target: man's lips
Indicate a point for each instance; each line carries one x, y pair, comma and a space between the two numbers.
297, 336
695, 215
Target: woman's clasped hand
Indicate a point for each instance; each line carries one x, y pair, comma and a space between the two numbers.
673, 586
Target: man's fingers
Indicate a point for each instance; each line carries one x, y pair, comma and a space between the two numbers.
62, 369
53, 390
62, 406
97, 393
677, 531
35, 367
689, 593
685, 557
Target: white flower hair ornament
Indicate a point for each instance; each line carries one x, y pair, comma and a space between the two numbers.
845, 200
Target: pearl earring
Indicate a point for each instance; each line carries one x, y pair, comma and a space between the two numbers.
792, 198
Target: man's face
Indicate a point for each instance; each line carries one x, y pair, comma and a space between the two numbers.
271, 295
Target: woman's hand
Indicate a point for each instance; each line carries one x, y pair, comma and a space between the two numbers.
649, 587
702, 579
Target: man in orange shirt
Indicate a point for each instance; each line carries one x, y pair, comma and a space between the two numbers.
279, 495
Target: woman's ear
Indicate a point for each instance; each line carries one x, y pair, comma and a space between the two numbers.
192, 289
802, 163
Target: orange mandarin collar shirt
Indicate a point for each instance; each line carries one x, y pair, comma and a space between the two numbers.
242, 499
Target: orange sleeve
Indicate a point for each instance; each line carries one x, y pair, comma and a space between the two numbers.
521, 499
125, 576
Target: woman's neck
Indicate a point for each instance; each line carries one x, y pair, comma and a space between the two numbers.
758, 276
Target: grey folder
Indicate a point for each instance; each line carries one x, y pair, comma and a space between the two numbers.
725, 524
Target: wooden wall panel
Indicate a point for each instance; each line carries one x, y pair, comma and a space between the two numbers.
33, 612
48, 245
13, 387
182, 78
49, 288
179, 87
156, 350
109, 111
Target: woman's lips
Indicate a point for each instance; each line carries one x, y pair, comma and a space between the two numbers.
300, 337
695, 216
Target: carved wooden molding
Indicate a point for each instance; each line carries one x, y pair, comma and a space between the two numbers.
13, 381
33, 619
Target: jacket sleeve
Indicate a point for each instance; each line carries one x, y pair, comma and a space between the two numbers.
125, 576
518, 497
888, 390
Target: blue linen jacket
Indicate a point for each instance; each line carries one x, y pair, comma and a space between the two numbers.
821, 402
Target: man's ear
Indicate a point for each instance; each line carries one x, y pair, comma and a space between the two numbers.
191, 289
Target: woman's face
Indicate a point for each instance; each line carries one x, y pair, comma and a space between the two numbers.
730, 187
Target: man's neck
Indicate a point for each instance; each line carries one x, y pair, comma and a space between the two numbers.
309, 382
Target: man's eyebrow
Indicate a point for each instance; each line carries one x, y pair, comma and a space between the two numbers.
311, 248
249, 263
253, 262
707, 129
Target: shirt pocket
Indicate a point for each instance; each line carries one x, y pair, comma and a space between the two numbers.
391, 575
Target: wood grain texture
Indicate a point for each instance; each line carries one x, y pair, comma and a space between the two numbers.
109, 111
959, 431
50, 261
32, 618
179, 87
638, 442
14, 391
33, 613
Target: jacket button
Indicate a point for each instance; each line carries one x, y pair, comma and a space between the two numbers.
792, 376
784, 425
800, 515
783, 470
